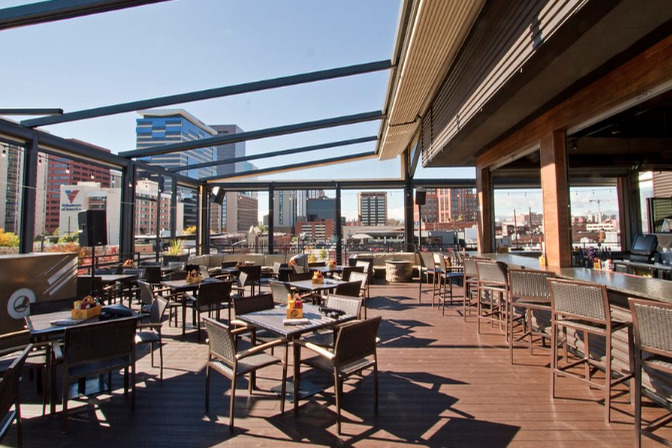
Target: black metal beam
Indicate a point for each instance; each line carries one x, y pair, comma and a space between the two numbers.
294, 166
361, 184
51, 11
30, 111
284, 152
212, 93
254, 135
28, 199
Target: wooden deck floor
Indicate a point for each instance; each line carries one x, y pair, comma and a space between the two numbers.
441, 385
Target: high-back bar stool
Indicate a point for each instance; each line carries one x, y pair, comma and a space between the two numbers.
492, 293
580, 310
528, 293
652, 353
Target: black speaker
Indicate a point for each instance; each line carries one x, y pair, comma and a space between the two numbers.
92, 228
218, 195
420, 196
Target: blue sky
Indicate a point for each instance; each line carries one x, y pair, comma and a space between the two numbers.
183, 46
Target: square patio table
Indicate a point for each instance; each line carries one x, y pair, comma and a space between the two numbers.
274, 320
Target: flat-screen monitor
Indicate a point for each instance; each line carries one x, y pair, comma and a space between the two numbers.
643, 248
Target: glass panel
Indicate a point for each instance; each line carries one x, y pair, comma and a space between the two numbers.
519, 220
595, 221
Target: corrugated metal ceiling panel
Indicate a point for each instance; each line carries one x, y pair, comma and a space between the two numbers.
432, 40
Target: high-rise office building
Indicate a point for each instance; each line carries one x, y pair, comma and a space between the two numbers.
372, 208
229, 151
167, 126
10, 193
321, 208
285, 208
457, 204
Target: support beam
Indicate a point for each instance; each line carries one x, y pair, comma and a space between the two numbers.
127, 212
555, 192
486, 225
276, 153
255, 135
271, 219
408, 201
31, 111
629, 209
51, 11
295, 166
28, 193
339, 226
203, 228
212, 93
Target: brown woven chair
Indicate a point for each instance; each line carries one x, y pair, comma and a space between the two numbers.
113, 349
492, 293
150, 333
528, 294
212, 298
581, 310
470, 284
651, 347
280, 292
364, 289
10, 404
224, 357
354, 352
351, 289
444, 277
253, 277
351, 306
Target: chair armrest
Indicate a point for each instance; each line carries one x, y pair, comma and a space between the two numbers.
319, 350
58, 352
259, 348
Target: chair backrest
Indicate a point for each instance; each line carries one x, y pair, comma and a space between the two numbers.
250, 304
426, 259
356, 340
652, 326
361, 277
280, 290
157, 310
492, 272
297, 270
529, 283
153, 274
221, 343
9, 389
349, 305
178, 275
100, 341
140, 272
213, 293
203, 271
347, 270
470, 268
241, 280
297, 277
276, 267
368, 266
351, 289
582, 300
146, 293
87, 285
50, 306
229, 264
253, 273
440, 262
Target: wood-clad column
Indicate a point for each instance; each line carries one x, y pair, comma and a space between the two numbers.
555, 192
484, 190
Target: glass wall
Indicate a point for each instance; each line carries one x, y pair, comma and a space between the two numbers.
519, 219
595, 219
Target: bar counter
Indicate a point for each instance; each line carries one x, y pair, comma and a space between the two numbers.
619, 284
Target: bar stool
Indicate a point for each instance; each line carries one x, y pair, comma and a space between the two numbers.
444, 278
528, 293
470, 284
583, 308
651, 347
492, 293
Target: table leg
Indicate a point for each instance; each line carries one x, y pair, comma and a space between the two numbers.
297, 375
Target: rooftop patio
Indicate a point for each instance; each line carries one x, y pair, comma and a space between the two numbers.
441, 385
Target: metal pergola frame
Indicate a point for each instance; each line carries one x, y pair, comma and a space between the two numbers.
34, 141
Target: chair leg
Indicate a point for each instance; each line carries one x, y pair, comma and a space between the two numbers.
554, 355
375, 386
337, 393
233, 401
608, 380
133, 387
64, 424
19, 430
207, 389
160, 357
283, 386
638, 403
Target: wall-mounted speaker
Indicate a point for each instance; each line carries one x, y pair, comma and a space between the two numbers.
92, 228
218, 195
420, 197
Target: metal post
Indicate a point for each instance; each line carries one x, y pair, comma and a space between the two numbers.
271, 226
27, 230
339, 226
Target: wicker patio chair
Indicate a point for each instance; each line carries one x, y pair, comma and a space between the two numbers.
351, 289
353, 352
150, 333
470, 284
114, 349
492, 293
528, 298
10, 404
225, 358
211, 298
364, 289
584, 309
652, 352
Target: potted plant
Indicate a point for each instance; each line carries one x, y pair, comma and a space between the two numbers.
175, 252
